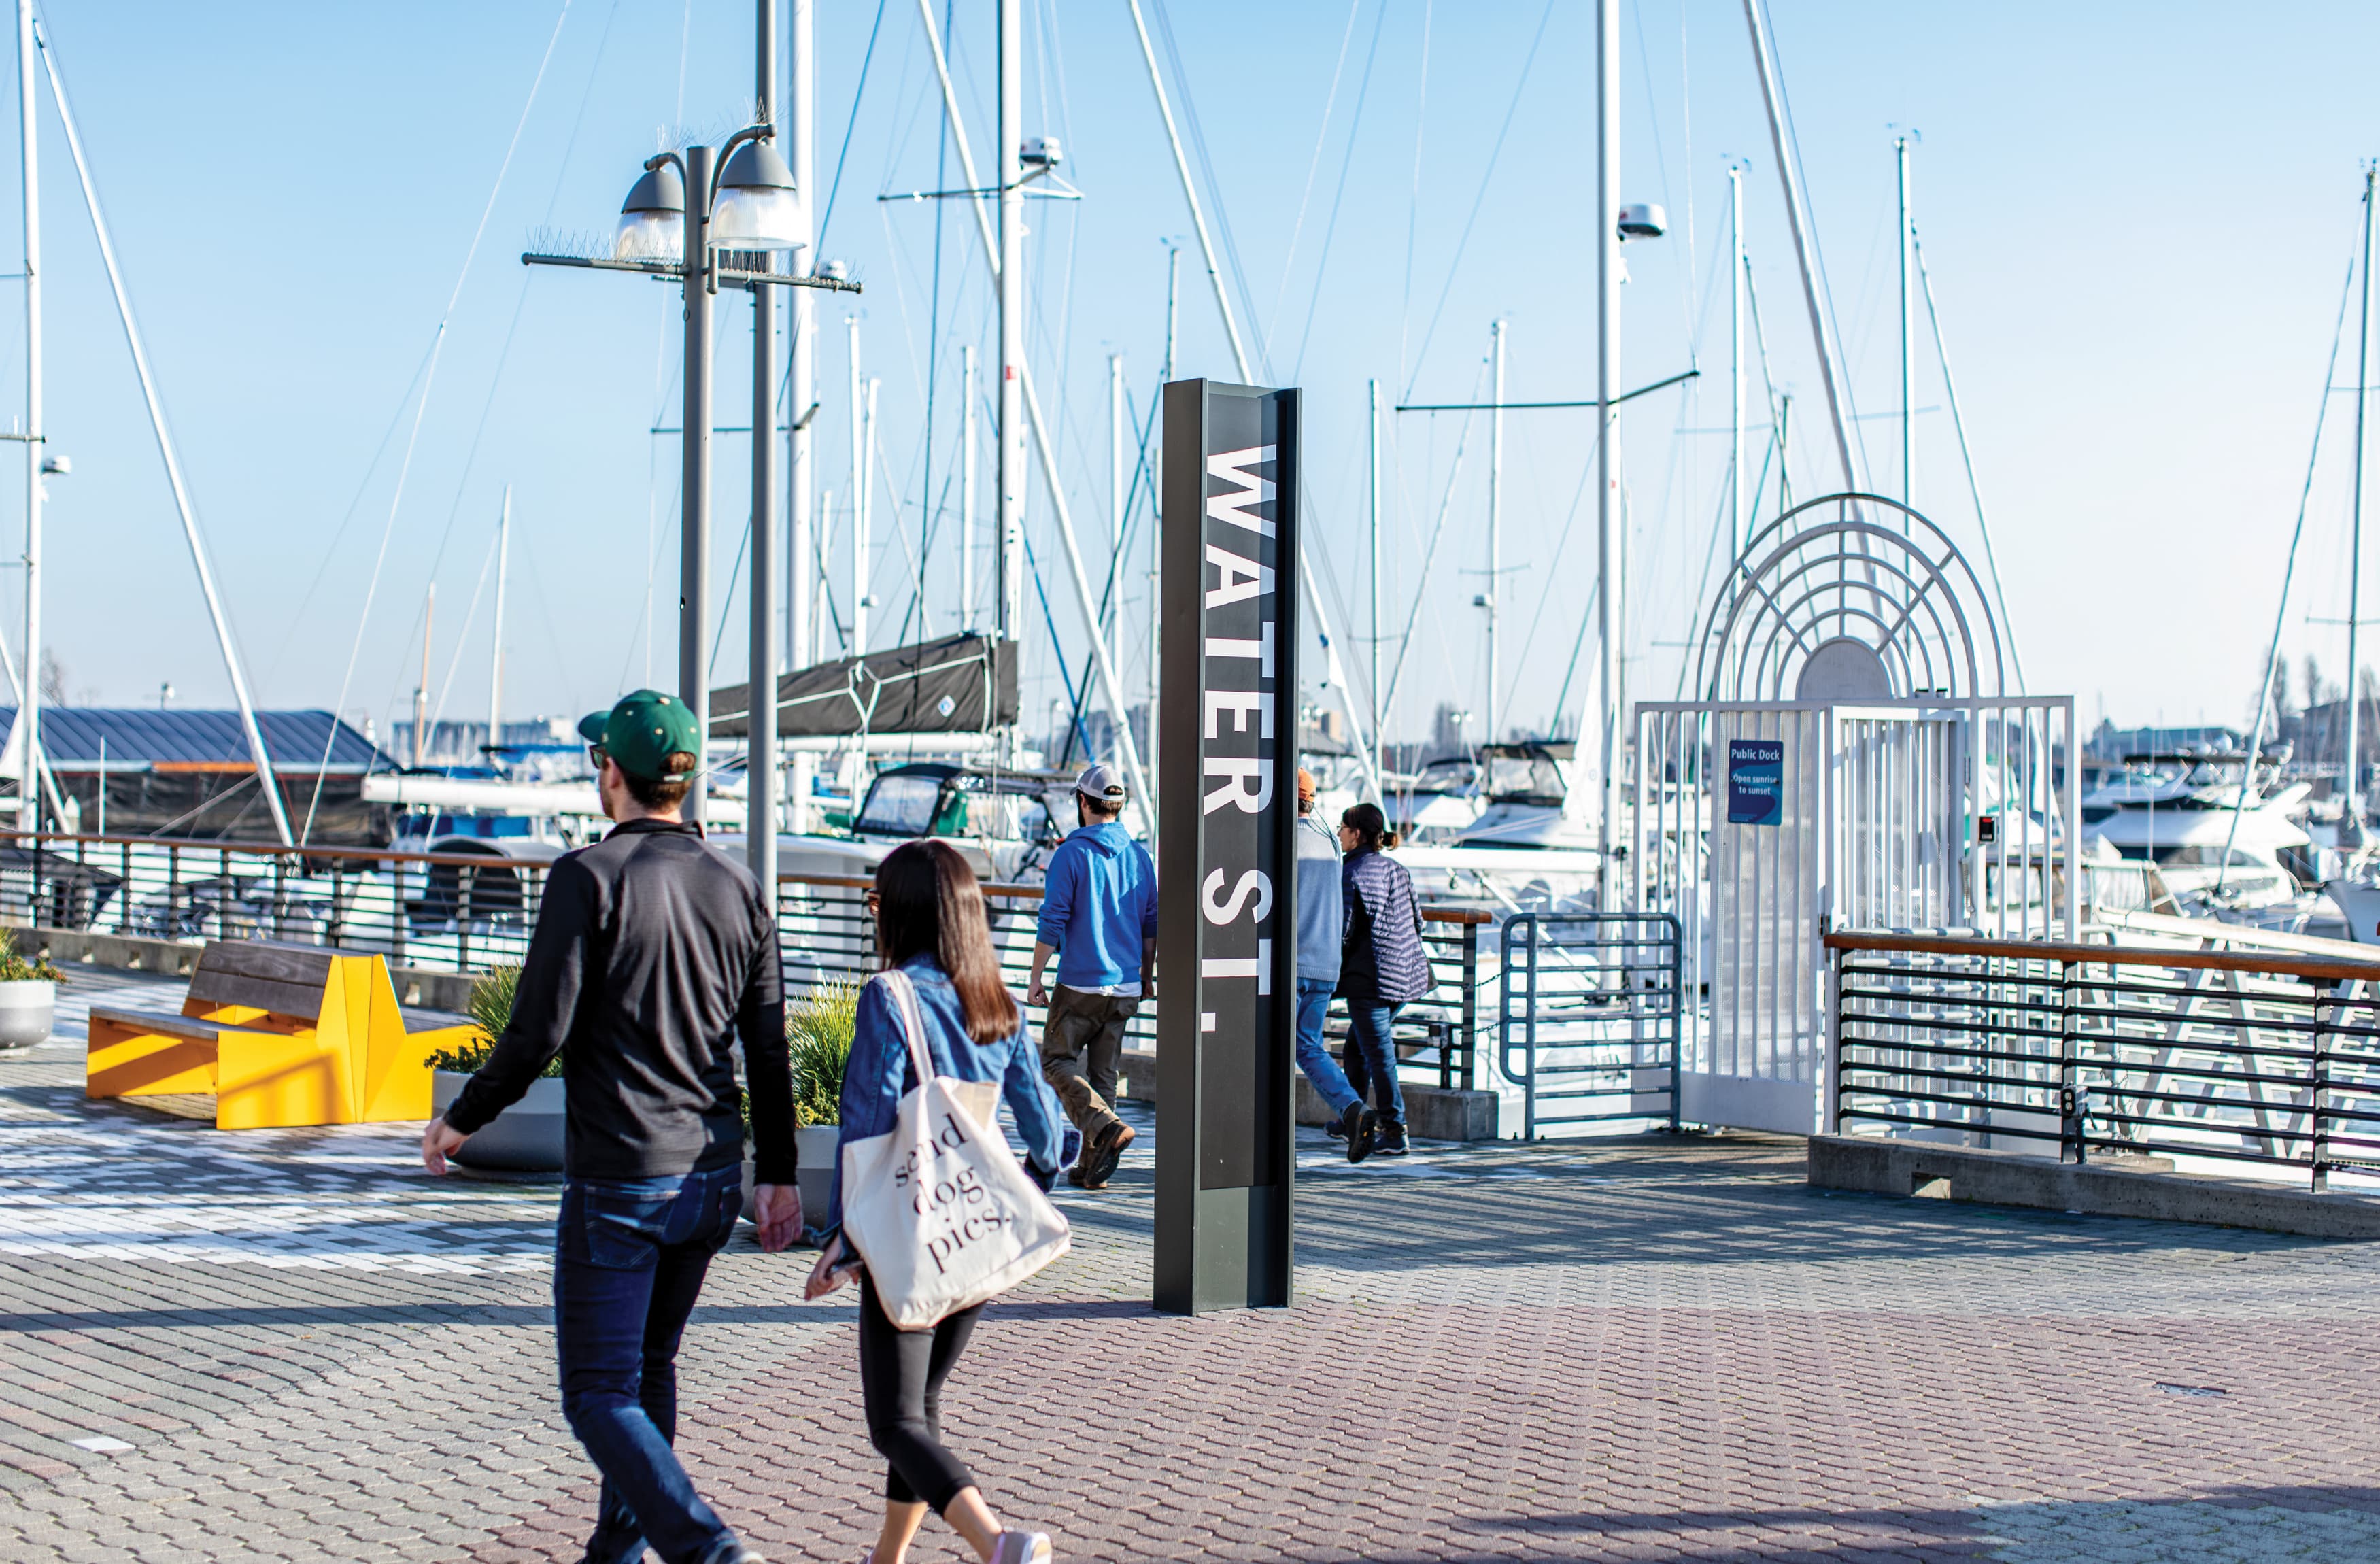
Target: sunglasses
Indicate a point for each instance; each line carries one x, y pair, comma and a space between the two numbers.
595, 754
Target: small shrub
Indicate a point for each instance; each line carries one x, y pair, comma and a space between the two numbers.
817, 1037
490, 1010
17, 968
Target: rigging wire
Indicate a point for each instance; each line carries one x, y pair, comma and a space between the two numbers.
1412, 204
1959, 423
1487, 177
858, 95
1314, 164
2289, 570
422, 405
1330, 228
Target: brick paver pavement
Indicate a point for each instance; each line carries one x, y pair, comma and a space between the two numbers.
1633, 1349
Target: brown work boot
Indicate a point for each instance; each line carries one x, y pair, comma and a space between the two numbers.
1100, 1157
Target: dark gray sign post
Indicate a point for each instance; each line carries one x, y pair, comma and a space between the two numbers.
1227, 938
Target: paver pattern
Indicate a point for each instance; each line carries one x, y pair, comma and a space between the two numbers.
1639, 1349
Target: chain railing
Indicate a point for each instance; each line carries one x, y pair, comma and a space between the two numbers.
466, 912
2099, 1051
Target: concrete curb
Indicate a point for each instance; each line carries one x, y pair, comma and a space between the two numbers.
1877, 1166
1431, 1112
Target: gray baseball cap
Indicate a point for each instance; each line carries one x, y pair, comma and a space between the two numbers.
1101, 785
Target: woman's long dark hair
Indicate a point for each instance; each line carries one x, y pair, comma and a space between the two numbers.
1371, 828
929, 901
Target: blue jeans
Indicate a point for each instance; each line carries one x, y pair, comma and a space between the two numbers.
1370, 1038
1313, 1003
629, 1262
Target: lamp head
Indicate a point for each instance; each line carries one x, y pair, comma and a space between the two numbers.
652, 220
757, 207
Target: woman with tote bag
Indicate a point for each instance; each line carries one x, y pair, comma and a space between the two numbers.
1382, 967
938, 1003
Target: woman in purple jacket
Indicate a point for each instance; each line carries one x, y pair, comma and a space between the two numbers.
1382, 967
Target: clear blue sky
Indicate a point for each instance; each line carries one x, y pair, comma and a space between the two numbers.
2138, 218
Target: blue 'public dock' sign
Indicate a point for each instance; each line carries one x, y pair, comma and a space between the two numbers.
1755, 782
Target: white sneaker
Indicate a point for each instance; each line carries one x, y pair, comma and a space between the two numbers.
1021, 1547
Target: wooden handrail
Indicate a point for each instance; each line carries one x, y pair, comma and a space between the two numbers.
2312, 968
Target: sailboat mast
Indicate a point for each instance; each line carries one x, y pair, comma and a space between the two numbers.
1489, 599
858, 394
29, 713
1735, 495
760, 656
1115, 499
966, 487
1907, 395
2352, 816
1010, 466
1607, 386
1372, 453
496, 641
801, 101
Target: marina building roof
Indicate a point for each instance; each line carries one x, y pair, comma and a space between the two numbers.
145, 738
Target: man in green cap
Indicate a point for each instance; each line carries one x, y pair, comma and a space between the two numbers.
653, 953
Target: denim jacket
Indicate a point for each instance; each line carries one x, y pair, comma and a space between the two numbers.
879, 1073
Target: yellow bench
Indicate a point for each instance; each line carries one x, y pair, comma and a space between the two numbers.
280, 1036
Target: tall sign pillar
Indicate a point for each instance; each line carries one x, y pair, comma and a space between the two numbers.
1227, 937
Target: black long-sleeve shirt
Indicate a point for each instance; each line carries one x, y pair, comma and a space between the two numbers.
652, 953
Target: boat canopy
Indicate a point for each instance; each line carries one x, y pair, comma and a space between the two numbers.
963, 683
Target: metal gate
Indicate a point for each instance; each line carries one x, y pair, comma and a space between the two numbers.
1856, 761
1912, 815
1588, 1006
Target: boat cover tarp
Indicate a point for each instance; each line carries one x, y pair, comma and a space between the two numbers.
957, 685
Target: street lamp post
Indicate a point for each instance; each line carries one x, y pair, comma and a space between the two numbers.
712, 220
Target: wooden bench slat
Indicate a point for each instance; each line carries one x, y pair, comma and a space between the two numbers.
264, 975
163, 1023
300, 1002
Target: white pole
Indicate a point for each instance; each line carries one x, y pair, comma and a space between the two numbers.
1372, 501
269, 784
29, 773
1017, 389
966, 487
1333, 674
826, 513
496, 641
1009, 470
1737, 499
801, 478
1156, 497
867, 534
1495, 530
858, 395
1829, 365
1908, 383
1115, 616
1607, 386
2352, 814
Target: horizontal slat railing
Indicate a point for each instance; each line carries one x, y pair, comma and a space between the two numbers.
465, 913
2100, 1050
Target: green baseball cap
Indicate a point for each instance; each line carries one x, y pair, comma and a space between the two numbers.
642, 732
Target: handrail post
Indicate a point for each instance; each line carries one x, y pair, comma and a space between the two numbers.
173, 892
1678, 1024
222, 903
1470, 1013
124, 893
2318, 1102
2070, 1118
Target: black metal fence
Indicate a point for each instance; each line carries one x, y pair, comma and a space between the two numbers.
465, 913
1588, 1016
2097, 1050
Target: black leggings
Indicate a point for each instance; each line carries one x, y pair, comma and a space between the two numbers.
900, 1374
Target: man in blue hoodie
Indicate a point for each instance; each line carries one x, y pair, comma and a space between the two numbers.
1099, 916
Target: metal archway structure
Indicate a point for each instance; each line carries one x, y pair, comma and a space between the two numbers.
1832, 571
1855, 755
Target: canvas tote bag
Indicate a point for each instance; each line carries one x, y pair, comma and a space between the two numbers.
940, 1208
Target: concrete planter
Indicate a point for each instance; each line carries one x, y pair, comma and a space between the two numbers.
26, 1012
815, 1146
525, 1138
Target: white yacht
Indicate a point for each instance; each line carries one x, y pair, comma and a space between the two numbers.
2220, 843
